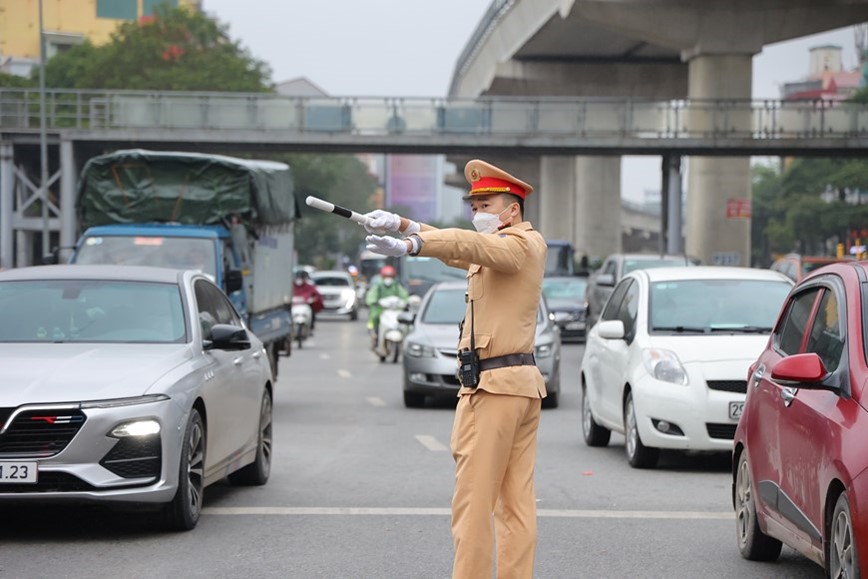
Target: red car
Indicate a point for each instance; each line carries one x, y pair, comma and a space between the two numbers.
800, 452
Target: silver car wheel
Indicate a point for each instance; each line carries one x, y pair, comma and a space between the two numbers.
196, 467
842, 562
265, 432
744, 508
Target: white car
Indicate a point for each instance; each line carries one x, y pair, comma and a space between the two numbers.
667, 363
338, 292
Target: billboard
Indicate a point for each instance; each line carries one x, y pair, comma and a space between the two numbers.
413, 185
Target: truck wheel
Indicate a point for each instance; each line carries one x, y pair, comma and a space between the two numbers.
273, 356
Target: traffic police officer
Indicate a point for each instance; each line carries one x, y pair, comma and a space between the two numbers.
494, 435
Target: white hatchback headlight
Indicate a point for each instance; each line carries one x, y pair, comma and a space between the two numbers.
664, 365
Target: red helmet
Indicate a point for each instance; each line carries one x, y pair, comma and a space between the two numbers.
388, 271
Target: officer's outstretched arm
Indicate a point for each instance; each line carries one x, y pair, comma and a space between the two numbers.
459, 263
504, 252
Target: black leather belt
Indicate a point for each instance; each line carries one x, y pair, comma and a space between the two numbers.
508, 360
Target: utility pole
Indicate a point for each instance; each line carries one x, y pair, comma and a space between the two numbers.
43, 146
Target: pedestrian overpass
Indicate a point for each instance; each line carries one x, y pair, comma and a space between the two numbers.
80, 124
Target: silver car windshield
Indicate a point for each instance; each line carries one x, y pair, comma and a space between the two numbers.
447, 306
564, 289
152, 250
431, 269
716, 305
91, 311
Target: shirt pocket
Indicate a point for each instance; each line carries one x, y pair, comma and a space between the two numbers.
475, 287
483, 341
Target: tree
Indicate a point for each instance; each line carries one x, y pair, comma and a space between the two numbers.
340, 179
15, 81
178, 49
788, 213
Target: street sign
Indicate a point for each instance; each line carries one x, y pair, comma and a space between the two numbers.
738, 208
726, 258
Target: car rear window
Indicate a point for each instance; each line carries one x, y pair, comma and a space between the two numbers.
634, 264
333, 281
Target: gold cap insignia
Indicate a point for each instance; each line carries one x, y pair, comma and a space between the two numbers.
474, 174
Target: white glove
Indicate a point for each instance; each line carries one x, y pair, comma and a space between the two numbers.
381, 222
386, 245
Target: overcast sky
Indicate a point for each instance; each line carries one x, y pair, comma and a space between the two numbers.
409, 48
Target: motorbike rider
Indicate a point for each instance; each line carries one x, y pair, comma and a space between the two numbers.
305, 289
387, 285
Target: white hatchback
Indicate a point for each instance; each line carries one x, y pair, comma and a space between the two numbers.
667, 363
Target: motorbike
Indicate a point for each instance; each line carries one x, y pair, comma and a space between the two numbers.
302, 318
391, 332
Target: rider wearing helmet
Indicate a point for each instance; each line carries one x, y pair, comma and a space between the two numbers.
387, 285
305, 289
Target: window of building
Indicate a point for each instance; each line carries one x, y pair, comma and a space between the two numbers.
150, 6
117, 9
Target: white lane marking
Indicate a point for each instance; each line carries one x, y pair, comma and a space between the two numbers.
344, 374
375, 401
442, 512
431, 443
324, 356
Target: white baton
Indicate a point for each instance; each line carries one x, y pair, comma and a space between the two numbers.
317, 203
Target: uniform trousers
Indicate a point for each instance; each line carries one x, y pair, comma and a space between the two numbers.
494, 439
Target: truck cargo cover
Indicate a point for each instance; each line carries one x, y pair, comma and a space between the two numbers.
136, 186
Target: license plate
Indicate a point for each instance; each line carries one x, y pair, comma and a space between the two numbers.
735, 410
17, 472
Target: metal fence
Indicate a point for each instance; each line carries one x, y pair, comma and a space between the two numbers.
520, 118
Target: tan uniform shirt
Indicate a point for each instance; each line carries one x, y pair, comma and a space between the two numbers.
504, 280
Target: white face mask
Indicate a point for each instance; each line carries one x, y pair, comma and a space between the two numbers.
387, 281
487, 222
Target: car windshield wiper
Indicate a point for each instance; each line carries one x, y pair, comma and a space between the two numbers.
744, 329
681, 329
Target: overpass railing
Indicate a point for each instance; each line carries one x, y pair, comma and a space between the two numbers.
362, 116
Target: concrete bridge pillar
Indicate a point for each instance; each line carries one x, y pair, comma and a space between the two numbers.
7, 204
582, 203
68, 178
711, 181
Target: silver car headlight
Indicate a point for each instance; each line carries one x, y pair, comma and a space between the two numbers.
664, 365
136, 428
417, 350
543, 351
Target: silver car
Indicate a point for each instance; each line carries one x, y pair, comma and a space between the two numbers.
431, 347
125, 385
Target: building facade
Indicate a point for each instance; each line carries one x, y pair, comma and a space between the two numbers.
65, 24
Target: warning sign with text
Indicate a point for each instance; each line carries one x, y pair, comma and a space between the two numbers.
738, 208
